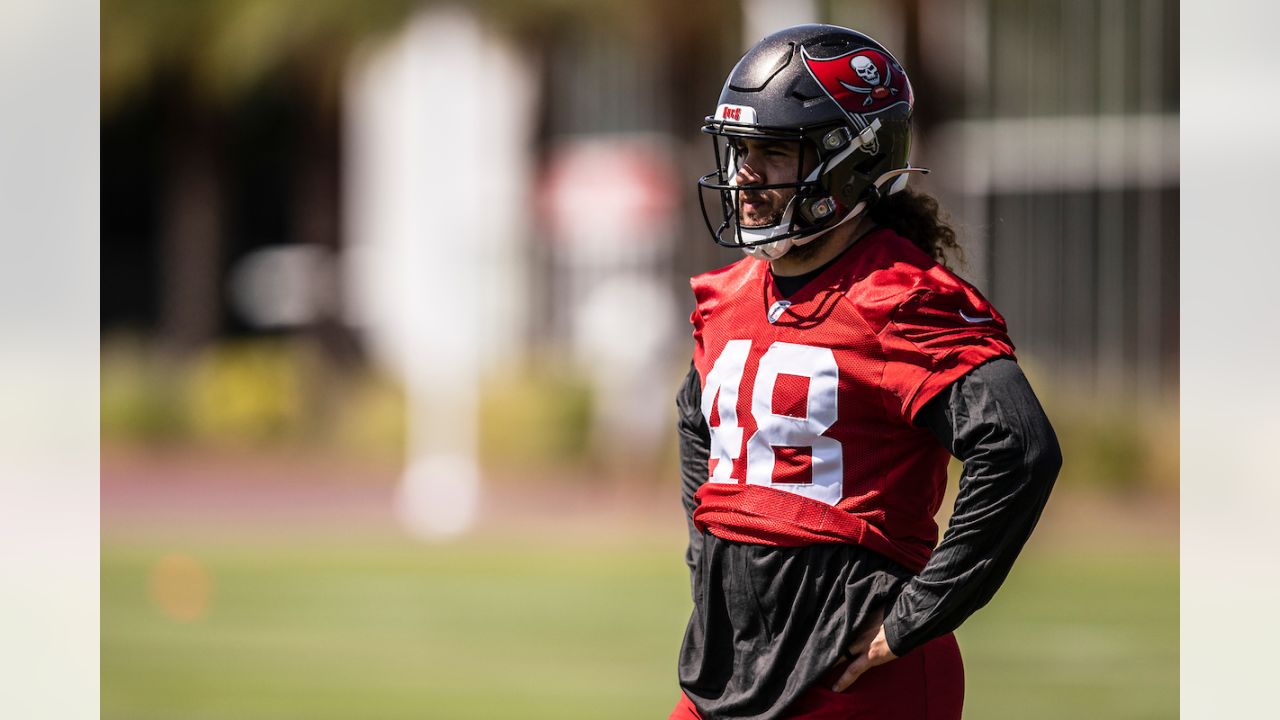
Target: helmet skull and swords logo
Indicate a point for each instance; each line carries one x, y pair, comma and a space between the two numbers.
876, 87
861, 81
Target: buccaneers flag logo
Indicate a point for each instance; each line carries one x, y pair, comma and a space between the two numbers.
863, 81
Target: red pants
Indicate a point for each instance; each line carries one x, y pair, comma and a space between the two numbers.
925, 684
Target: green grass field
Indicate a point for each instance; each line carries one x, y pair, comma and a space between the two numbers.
483, 629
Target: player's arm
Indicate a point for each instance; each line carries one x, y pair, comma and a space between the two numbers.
990, 419
695, 451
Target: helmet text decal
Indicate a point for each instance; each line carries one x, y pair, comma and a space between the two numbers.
736, 114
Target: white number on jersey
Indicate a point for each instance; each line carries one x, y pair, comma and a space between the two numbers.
774, 430
722, 382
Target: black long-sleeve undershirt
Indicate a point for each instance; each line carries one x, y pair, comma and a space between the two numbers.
695, 454
991, 420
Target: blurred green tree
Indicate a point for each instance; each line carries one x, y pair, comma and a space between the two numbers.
202, 57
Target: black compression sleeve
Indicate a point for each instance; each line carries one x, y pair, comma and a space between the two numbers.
695, 451
991, 420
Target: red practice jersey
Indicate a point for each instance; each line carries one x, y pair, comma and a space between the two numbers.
810, 399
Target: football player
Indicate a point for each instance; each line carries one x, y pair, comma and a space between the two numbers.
835, 370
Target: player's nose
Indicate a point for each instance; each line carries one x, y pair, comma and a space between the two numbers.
747, 173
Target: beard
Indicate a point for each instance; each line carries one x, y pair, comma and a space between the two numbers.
757, 223
759, 219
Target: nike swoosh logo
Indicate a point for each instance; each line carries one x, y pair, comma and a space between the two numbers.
975, 319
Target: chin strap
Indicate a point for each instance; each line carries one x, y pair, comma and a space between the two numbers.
895, 179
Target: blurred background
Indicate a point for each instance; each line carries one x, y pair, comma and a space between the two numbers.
394, 306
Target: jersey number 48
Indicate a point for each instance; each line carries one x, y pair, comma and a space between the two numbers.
792, 434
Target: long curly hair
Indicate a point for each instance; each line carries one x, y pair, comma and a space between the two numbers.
916, 216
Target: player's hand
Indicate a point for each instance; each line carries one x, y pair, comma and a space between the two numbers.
869, 650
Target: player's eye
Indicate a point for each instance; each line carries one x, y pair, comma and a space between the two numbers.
775, 150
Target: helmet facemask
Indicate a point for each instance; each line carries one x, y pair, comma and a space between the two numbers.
814, 208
